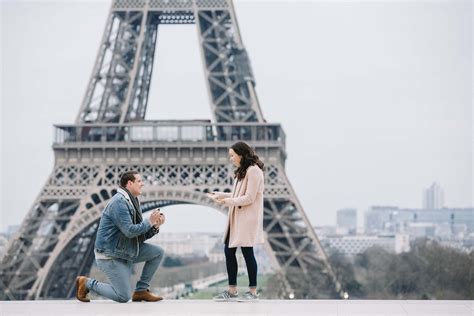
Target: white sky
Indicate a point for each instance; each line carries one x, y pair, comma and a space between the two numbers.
375, 97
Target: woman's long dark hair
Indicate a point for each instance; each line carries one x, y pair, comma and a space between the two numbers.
248, 158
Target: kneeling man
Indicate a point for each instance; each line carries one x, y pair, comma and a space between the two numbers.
120, 244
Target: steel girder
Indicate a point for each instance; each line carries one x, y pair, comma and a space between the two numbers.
118, 88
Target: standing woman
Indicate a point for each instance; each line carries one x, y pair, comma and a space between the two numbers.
245, 218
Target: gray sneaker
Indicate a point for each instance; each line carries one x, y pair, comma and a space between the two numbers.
226, 296
248, 297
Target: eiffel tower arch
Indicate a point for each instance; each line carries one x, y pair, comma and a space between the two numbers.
179, 160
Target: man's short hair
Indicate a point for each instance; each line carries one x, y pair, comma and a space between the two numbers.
127, 176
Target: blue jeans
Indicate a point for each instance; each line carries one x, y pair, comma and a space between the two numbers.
119, 271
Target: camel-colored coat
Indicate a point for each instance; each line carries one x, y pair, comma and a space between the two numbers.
245, 216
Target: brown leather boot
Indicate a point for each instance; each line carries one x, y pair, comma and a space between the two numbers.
81, 289
146, 296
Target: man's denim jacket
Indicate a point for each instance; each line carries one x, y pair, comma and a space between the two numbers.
117, 236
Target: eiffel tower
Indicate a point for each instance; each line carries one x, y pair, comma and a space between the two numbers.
179, 160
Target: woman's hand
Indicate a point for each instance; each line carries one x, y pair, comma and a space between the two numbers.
211, 195
220, 201
216, 198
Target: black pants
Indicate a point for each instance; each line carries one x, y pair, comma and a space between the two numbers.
232, 266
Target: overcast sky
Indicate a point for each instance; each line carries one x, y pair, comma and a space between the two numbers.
375, 97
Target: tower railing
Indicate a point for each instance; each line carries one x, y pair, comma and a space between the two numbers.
167, 132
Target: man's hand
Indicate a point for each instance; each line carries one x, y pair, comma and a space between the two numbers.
162, 218
155, 218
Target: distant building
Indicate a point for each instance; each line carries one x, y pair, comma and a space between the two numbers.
346, 220
11, 230
433, 197
263, 260
216, 254
416, 230
208, 245
402, 243
325, 230
447, 221
186, 244
353, 245
464, 244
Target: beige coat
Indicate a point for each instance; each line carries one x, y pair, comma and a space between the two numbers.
245, 216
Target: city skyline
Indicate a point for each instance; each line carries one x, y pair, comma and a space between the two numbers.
374, 111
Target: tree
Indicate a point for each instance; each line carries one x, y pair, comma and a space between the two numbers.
428, 271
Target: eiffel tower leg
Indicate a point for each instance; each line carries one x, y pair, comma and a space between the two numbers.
28, 251
75, 259
230, 81
23, 264
119, 84
290, 235
72, 254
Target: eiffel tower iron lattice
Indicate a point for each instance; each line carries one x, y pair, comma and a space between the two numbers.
179, 160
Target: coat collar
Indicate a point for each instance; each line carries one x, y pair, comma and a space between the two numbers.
125, 195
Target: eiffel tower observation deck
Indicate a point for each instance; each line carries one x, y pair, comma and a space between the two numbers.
179, 160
